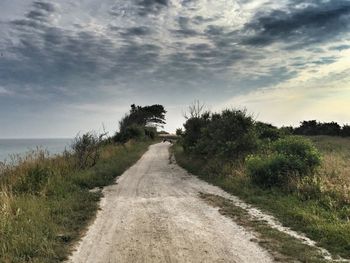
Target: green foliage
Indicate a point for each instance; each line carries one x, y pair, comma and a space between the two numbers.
151, 132
300, 148
193, 131
318, 128
230, 134
131, 132
140, 122
34, 181
291, 158
286, 130
267, 131
345, 131
179, 132
86, 148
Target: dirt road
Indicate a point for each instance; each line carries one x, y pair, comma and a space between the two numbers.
154, 214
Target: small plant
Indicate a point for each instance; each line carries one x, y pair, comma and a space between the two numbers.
87, 149
291, 158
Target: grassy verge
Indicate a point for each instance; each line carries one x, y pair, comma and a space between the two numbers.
281, 246
316, 217
40, 219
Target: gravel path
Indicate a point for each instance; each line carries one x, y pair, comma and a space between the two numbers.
154, 214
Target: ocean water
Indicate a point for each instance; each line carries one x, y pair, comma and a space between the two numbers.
21, 146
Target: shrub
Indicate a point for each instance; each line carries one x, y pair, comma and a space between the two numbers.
229, 135
345, 131
302, 149
267, 131
291, 158
193, 131
87, 148
151, 132
133, 131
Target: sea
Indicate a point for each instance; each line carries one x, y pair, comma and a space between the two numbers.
10, 147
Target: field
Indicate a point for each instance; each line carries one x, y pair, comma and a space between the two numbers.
335, 169
46, 203
320, 208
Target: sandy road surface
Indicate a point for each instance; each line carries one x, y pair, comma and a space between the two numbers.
154, 214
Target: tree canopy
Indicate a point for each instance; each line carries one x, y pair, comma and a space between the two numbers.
147, 116
140, 121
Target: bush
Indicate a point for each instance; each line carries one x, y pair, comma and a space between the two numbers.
291, 158
345, 131
151, 132
87, 148
302, 149
133, 131
267, 131
193, 131
229, 135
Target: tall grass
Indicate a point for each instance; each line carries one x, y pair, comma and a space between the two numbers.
335, 169
45, 201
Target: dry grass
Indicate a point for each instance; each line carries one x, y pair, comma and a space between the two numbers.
335, 168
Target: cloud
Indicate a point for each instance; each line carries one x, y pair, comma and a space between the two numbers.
323, 98
137, 31
313, 23
48, 7
91, 53
340, 47
4, 91
151, 6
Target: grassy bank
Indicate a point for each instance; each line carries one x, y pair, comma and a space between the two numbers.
320, 208
45, 203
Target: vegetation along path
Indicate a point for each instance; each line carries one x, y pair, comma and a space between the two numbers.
154, 213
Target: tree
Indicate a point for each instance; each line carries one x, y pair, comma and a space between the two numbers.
317, 128
345, 131
145, 119
150, 116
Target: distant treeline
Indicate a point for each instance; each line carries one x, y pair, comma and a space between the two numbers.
314, 127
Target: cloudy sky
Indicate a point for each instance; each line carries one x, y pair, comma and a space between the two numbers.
70, 65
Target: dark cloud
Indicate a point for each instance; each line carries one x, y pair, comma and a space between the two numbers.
48, 7
40, 11
184, 28
151, 6
36, 15
340, 47
137, 31
319, 22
